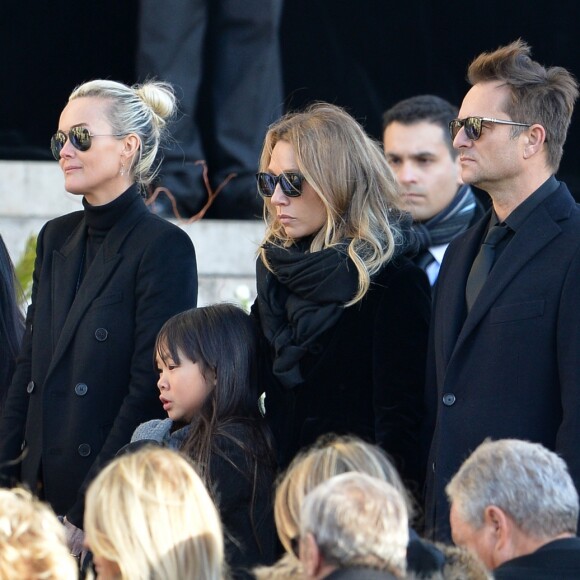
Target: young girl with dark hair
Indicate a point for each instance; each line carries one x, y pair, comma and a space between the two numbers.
11, 322
206, 358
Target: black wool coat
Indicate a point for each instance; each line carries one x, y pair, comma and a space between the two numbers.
558, 559
85, 377
366, 376
509, 368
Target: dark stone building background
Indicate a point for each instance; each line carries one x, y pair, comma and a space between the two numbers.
361, 54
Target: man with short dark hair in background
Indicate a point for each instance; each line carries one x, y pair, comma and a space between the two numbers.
419, 150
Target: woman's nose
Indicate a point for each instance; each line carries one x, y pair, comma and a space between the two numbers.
67, 150
278, 197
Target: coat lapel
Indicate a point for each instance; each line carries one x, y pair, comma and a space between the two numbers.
452, 299
104, 265
536, 232
66, 265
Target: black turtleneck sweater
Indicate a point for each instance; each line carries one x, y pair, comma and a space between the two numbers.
100, 219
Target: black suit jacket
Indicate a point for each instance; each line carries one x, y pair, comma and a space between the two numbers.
85, 378
510, 367
559, 559
366, 377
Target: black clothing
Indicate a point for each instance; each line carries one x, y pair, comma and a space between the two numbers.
99, 220
249, 530
559, 559
508, 368
359, 573
517, 218
85, 377
464, 211
11, 322
363, 376
301, 301
424, 559
223, 58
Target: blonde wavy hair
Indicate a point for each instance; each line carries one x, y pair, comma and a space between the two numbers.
32, 540
351, 176
328, 457
149, 513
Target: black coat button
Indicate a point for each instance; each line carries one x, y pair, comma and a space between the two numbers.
448, 399
101, 334
81, 389
30, 387
84, 450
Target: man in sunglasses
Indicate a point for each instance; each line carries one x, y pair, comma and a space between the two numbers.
505, 338
420, 152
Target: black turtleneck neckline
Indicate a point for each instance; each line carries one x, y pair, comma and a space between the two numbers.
99, 220
104, 217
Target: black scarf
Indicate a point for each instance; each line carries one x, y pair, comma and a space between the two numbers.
449, 223
303, 298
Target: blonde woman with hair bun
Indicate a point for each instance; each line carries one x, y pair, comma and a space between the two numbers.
105, 280
150, 517
343, 313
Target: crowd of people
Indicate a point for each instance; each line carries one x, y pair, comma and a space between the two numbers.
406, 378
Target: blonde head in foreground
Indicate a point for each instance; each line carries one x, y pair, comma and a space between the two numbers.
32, 540
148, 516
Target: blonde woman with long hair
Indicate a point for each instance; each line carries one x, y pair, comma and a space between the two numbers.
343, 313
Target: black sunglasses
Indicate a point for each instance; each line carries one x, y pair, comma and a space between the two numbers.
474, 125
290, 183
80, 138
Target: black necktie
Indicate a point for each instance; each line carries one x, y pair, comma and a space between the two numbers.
483, 263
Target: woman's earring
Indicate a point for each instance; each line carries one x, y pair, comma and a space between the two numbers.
122, 170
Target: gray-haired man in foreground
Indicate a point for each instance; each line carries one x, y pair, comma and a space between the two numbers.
514, 505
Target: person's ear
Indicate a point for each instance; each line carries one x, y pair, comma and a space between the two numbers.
535, 137
310, 556
131, 143
500, 527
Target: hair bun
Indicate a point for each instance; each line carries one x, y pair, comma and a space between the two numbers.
159, 97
